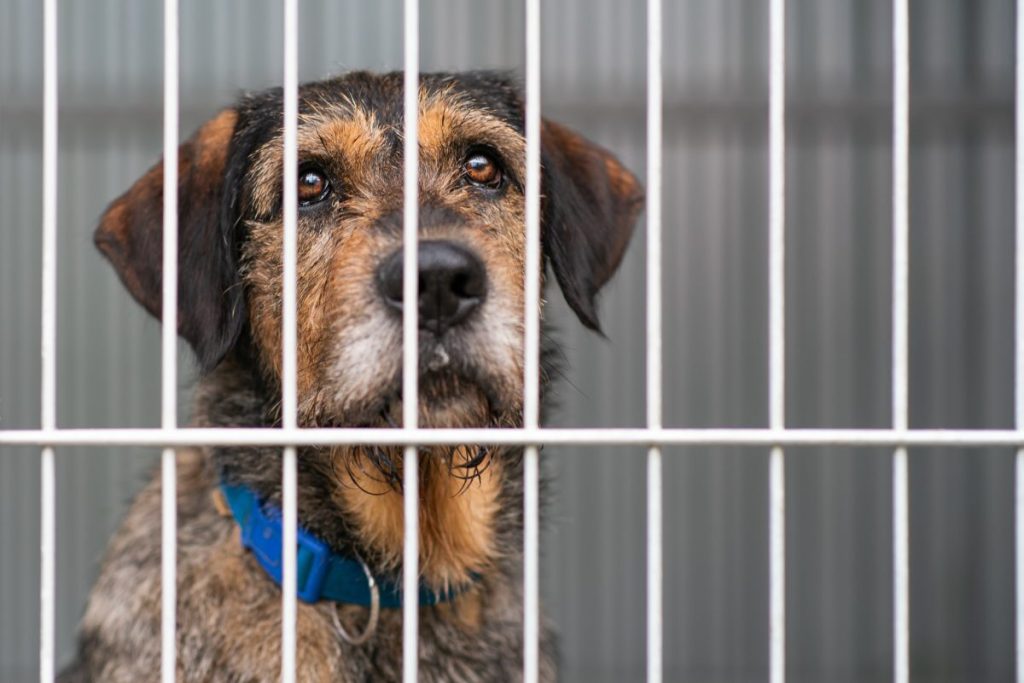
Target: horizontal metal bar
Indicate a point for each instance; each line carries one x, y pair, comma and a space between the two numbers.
966, 438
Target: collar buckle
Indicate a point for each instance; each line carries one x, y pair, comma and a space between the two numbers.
313, 561
263, 536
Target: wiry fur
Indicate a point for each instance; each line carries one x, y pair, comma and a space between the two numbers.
349, 372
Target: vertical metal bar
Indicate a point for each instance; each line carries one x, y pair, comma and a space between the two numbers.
169, 347
901, 569
1019, 341
48, 348
289, 320
531, 393
410, 347
655, 566
777, 337
900, 336
1019, 530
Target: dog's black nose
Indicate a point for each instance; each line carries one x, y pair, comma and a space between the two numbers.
452, 282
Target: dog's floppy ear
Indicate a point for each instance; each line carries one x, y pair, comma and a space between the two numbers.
211, 307
590, 206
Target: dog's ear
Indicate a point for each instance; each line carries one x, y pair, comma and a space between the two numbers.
211, 307
591, 203
590, 206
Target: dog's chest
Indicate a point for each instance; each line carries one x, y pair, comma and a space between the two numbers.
229, 612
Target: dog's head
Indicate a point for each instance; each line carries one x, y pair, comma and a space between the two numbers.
471, 253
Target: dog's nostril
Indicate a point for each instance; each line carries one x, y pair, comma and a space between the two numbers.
452, 283
389, 280
461, 285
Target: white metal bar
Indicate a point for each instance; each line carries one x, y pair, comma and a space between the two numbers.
1019, 341
655, 566
410, 347
655, 556
48, 349
169, 348
192, 436
1019, 559
901, 566
901, 218
531, 390
289, 547
777, 215
289, 321
531, 394
900, 336
777, 561
47, 573
777, 338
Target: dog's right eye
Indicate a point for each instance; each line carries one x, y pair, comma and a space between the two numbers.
313, 186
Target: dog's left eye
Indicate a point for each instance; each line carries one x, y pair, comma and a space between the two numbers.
482, 170
313, 186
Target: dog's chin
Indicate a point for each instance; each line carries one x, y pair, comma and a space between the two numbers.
457, 389
446, 400
449, 401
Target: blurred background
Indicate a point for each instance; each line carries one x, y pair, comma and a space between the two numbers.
838, 312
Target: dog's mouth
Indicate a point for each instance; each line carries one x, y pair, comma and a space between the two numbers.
435, 358
446, 399
463, 382
450, 395
453, 391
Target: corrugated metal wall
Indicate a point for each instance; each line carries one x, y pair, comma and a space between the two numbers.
838, 281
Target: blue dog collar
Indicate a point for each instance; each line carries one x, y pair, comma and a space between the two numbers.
322, 574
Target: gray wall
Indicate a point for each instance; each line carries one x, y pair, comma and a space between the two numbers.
838, 282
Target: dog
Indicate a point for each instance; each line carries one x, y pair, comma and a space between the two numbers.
471, 313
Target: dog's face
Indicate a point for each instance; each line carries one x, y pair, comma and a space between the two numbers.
471, 253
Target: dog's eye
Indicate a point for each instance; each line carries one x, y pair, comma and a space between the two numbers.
313, 186
482, 170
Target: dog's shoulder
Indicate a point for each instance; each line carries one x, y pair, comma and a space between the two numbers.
123, 612
228, 611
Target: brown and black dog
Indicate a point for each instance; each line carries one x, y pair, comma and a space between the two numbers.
471, 254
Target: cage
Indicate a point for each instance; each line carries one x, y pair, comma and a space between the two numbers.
838, 437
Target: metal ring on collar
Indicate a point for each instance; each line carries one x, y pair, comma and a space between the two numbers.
371, 624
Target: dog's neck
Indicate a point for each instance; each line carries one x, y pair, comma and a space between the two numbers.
351, 498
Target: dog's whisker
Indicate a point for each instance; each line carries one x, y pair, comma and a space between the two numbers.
357, 456
355, 482
463, 487
474, 462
